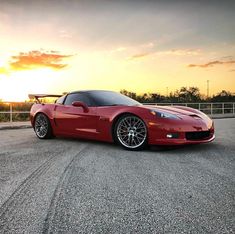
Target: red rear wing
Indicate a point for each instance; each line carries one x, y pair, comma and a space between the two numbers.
37, 96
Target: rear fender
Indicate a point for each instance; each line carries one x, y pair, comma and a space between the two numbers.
46, 109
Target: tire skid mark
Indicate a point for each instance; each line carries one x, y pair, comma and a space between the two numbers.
57, 194
18, 196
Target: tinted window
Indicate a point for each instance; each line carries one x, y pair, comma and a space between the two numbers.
60, 100
81, 97
109, 98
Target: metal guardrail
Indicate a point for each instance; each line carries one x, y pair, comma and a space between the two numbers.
215, 108
11, 112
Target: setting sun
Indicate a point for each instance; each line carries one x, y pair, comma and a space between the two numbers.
21, 83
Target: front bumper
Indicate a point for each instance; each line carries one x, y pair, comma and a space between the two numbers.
185, 132
180, 141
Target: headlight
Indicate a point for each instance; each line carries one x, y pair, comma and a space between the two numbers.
161, 114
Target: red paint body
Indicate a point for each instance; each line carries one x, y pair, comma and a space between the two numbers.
98, 122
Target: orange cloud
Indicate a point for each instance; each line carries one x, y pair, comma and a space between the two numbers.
173, 52
36, 59
212, 64
141, 55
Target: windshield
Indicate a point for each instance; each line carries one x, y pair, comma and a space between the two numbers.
110, 98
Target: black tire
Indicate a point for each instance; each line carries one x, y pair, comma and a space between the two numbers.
131, 132
42, 126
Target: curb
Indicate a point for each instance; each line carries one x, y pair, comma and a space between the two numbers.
15, 127
220, 117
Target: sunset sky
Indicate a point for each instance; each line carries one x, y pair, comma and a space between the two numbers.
55, 46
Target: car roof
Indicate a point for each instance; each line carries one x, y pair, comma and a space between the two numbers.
90, 91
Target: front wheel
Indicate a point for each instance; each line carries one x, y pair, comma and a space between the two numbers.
42, 127
130, 131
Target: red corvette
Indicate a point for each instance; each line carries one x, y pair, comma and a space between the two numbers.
110, 116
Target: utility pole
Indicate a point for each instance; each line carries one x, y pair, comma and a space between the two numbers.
167, 91
207, 88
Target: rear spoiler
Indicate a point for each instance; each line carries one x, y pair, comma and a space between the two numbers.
37, 96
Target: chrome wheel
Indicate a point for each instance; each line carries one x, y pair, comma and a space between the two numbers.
41, 126
131, 132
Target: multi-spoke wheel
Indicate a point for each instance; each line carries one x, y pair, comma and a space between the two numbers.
130, 131
42, 127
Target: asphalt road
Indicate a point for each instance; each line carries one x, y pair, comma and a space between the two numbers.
74, 186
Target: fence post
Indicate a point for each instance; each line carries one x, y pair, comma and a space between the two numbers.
11, 112
199, 106
223, 108
211, 109
233, 108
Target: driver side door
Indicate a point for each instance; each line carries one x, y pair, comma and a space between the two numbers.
74, 121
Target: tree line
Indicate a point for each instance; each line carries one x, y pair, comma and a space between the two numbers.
184, 94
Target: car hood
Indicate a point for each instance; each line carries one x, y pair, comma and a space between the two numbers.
175, 110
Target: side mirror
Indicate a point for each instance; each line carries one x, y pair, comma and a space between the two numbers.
81, 104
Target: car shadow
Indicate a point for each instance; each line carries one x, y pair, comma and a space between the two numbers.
88, 141
185, 148
153, 148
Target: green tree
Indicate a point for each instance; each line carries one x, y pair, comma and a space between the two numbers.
191, 94
223, 96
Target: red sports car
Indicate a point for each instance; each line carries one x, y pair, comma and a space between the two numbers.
113, 117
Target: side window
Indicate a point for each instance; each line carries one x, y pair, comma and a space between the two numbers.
70, 99
60, 100
81, 97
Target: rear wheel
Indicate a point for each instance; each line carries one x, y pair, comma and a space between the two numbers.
42, 127
130, 132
